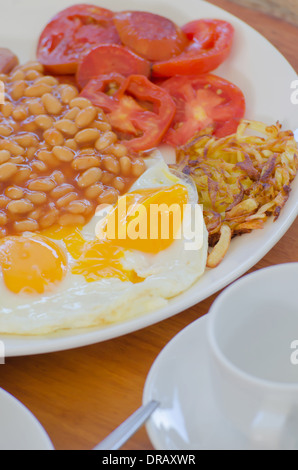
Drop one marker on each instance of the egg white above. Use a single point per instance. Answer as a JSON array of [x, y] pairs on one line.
[[75, 303]]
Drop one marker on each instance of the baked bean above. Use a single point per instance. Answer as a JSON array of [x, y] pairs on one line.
[[32, 65], [94, 191], [68, 93], [3, 201], [48, 158], [107, 178], [35, 214], [36, 107], [67, 126], [125, 165], [138, 168], [49, 219], [23, 174], [31, 152], [80, 102], [6, 109], [60, 191], [3, 232], [12, 147], [105, 140], [44, 122], [20, 113], [102, 126], [7, 170], [65, 200], [17, 160], [119, 183], [89, 177], [108, 196], [46, 127], [26, 140], [118, 150], [32, 75], [111, 164], [28, 225], [78, 207], [58, 176], [88, 151], [3, 218], [86, 135], [53, 137], [72, 113], [72, 219], [35, 91], [13, 192], [4, 156], [63, 154], [17, 76], [19, 207], [18, 89], [48, 79], [5, 130], [71, 144], [86, 116], [29, 125], [39, 166], [42, 184], [51, 104], [85, 162], [37, 197]]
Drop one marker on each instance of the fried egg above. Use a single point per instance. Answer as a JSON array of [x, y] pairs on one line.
[[77, 277]]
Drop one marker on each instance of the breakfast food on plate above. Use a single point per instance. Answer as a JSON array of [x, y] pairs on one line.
[[241, 179], [71, 32], [54, 162], [80, 172], [148, 74], [203, 101], [139, 111], [65, 277]]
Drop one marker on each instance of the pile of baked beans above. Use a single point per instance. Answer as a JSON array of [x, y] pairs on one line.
[[59, 158]]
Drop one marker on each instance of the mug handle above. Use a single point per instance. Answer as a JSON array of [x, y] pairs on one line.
[[270, 426]]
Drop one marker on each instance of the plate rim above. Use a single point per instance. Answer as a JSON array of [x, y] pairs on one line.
[[26, 414]]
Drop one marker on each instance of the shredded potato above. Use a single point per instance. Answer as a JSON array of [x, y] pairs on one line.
[[241, 179]]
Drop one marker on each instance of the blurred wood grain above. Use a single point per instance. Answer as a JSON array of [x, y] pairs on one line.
[[282, 9]]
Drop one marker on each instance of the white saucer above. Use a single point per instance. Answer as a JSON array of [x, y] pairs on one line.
[[19, 429], [188, 418]]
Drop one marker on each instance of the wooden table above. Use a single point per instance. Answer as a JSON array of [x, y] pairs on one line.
[[81, 395]]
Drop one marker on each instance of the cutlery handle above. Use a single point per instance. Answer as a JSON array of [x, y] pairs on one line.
[[120, 435]]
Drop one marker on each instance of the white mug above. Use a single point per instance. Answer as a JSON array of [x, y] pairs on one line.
[[253, 348]]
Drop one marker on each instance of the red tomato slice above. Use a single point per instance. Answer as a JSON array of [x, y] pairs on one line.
[[153, 37], [109, 58], [203, 101], [71, 32], [139, 111], [210, 44]]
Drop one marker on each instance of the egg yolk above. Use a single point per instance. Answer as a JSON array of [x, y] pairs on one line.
[[147, 220], [31, 265], [101, 258], [94, 259]]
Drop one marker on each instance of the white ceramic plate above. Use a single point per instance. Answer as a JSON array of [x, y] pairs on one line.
[[189, 417], [254, 65], [19, 429]]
